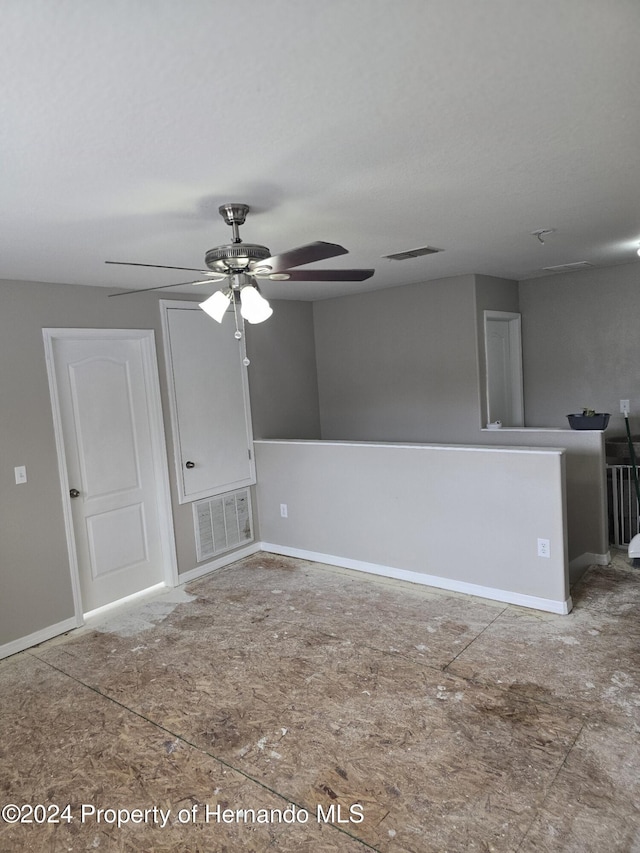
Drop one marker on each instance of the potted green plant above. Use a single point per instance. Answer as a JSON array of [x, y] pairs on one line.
[[589, 419]]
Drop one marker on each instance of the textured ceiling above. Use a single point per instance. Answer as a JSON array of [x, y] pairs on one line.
[[382, 125]]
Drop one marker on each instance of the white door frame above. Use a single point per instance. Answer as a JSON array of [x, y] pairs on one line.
[[514, 325], [158, 447]]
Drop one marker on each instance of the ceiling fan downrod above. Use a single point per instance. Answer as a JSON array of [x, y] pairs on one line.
[[235, 256], [234, 215]]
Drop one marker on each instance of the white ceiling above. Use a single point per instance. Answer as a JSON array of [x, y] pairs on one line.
[[382, 125]]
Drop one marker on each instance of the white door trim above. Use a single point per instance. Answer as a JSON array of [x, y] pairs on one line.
[[158, 447], [514, 325]]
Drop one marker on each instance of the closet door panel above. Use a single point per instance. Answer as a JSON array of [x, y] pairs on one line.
[[209, 397]]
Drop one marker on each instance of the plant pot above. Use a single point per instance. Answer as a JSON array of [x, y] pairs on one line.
[[597, 421]]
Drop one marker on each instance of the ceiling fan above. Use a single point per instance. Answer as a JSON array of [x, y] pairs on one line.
[[242, 264]]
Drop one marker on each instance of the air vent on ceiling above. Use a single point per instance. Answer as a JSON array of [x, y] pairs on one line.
[[578, 265], [412, 253]]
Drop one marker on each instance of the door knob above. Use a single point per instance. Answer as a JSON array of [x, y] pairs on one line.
[[74, 493], [189, 464]]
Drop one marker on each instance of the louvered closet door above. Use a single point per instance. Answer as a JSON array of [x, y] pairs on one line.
[[211, 417]]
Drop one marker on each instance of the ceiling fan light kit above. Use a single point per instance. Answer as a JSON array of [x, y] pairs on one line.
[[216, 306], [243, 263], [253, 306]]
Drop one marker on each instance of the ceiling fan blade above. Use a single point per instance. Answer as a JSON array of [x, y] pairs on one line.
[[155, 266], [163, 287], [307, 254], [327, 275]]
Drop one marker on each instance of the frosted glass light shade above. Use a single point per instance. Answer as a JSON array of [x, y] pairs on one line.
[[215, 306], [254, 307]]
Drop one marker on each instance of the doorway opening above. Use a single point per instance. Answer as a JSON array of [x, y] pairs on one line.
[[503, 359]]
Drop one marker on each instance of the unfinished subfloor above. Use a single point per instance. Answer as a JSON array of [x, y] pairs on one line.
[[434, 721]]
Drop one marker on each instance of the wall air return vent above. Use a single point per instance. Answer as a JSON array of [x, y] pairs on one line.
[[222, 523], [412, 253], [578, 265]]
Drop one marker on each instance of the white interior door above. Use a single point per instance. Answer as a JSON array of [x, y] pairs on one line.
[[504, 368], [104, 397], [209, 398]]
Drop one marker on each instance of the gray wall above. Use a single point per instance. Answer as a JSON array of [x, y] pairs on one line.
[[408, 364], [35, 587], [283, 379], [581, 345], [451, 516], [399, 364], [587, 534]]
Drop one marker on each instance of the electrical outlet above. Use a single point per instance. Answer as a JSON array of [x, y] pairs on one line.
[[543, 548], [284, 512], [624, 407]]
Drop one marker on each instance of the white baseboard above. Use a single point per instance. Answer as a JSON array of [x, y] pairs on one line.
[[219, 563], [508, 597], [22, 643], [37, 637]]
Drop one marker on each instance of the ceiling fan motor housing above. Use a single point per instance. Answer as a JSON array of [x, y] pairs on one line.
[[235, 257]]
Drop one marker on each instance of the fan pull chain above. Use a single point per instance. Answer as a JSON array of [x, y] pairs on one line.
[[246, 360], [238, 335]]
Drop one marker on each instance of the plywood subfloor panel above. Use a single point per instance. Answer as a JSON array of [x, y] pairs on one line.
[[594, 804], [457, 724], [589, 660], [65, 744]]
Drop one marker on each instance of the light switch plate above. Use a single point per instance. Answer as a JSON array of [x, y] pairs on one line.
[[21, 474]]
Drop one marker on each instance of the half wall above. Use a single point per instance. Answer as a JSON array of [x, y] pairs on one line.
[[457, 517]]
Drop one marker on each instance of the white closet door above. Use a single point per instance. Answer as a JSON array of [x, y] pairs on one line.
[[209, 395]]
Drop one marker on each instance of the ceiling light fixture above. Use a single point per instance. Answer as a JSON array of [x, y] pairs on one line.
[[254, 308], [216, 306], [639, 250]]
